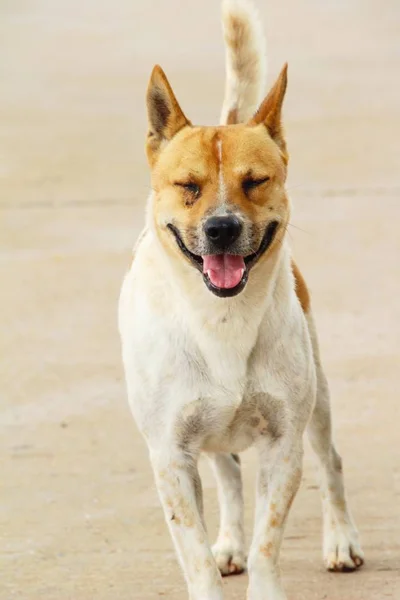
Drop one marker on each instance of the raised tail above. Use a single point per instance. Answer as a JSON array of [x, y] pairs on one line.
[[245, 60]]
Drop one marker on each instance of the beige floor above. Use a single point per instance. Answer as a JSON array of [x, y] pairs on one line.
[[79, 516]]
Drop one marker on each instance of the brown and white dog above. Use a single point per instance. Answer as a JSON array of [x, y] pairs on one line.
[[219, 344]]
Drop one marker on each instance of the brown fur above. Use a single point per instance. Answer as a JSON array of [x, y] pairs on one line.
[[245, 61], [238, 35], [301, 288], [232, 118], [179, 153], [270, 111], [247, 151], [165, 116]]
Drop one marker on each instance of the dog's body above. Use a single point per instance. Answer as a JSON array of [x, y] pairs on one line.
[[216, 374]]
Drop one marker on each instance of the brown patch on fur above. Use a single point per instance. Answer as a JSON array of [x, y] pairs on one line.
[[175, 519], [301, 288], [254, 421], [292, 487], [273, 415], [274, 521], [158, 111], [232, 118], [239, 29], [238, 34], [340, 504], [183, 513], [267, 549], [275, 517]]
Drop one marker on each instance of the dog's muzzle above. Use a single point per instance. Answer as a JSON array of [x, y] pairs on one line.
[[225, 274]]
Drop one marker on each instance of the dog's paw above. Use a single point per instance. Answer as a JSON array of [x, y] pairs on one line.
[[342, 550], [230, 561]]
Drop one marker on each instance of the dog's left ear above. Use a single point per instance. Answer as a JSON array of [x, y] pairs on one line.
[[165, 116], [270, 111]]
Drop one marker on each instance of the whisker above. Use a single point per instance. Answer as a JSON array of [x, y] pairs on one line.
[[289, 234], [300, 229]]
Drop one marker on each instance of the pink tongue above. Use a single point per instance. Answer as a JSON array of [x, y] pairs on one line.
[[224, 270]]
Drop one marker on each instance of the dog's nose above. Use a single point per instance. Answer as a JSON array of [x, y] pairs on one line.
[[223, 231]]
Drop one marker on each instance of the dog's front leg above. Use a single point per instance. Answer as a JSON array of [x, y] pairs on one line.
[[279, 479], [179, 487]]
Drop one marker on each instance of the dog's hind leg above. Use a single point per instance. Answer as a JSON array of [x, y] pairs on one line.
[[229, 549], [341, 547]]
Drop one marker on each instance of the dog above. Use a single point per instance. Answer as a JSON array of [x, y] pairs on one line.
[[219, 345]]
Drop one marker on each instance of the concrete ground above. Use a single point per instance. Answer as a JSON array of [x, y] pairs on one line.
[[79, 515]]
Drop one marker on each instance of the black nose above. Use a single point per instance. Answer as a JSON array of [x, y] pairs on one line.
[[223, 231]]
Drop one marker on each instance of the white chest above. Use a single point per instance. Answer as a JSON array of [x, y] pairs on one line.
[[219, 386], [211, 372]]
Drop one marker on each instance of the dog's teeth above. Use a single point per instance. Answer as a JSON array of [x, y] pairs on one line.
[[241, 273]]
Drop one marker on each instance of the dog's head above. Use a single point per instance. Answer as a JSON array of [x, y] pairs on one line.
[[219, 192]]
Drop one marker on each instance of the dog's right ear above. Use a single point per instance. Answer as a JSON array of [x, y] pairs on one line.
[[165, 116]]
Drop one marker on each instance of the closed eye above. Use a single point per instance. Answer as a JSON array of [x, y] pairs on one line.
[[249, 184], [189, 186]]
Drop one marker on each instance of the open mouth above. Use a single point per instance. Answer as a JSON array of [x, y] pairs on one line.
[[226, 274]]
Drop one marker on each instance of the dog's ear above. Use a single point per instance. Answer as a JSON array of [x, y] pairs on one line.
[[270, 111], [165, 117]]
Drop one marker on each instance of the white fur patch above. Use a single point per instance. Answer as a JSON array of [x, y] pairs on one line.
[[222, 192]]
